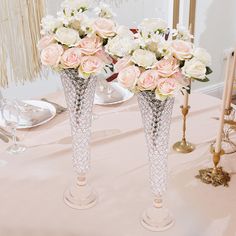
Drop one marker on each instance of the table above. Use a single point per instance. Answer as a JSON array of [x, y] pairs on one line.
[[32, 183]]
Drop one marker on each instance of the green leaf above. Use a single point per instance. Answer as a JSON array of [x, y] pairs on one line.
[[181, 64], [208, 70], [202, 80]]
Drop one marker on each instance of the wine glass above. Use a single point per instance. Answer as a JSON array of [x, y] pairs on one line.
[[10, 114]]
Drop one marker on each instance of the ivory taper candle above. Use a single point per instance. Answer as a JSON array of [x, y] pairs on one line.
[[186, 97], [230, 82], [222, 115]]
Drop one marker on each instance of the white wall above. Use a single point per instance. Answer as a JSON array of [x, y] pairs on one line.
[[216, 31]]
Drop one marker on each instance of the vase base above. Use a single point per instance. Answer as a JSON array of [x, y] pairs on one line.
[[157, 219], [184, 147], [80, 197]]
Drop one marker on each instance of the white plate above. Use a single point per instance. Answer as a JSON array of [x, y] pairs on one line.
[[37, 103], [125, 96]]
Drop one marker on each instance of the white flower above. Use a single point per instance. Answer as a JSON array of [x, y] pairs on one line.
[[50, 24], [70, 7], [104, 10], [69, 37], [183, 33], [202, 55], [165, 49], [121, 46], [152, 26], [194, 69], [144, 58], [86, 25], [124, 31]]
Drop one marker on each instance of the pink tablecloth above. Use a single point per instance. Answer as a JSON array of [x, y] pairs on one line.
[[32, 184]]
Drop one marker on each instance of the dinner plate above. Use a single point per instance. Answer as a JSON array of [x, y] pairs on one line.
[[39, 104], [104, 100]]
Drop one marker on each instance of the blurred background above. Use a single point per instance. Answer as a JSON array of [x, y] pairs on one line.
[[215, 30]]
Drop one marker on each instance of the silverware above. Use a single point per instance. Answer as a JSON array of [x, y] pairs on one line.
[[4, 138], [59, 109], [7, 134]]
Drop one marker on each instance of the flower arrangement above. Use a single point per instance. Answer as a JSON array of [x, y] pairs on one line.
[[74, 39], [153, 58]]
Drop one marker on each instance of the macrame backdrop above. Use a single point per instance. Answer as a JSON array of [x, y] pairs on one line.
[[19, 33]]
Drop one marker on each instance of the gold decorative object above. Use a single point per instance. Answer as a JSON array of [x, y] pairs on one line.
[[183, 146], [215, 176]]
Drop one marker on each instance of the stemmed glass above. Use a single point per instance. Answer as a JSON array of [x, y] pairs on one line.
[[11, 113]]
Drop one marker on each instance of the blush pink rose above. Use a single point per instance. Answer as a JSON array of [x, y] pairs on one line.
[[128, 76], [167, 67], [166, 86], [45, 41], [51, 55], [182, 50], [71, 58], [91, 64], [90, 45], [122, 63], [104, 56], [104, 27], [148, 80]]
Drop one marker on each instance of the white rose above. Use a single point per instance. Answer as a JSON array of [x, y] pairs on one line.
[[194, 69], [182, 50], [144, 58], [202, 55], [121, 46], [154, 25], [69, 37], [50, 24], [123, 31]]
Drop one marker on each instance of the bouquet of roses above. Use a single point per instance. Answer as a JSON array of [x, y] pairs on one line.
[[76, 40], [153, 58]]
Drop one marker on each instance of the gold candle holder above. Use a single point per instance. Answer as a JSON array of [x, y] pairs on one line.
[[215, 176], [183, 146]]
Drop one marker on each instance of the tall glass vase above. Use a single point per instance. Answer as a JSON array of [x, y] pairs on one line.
[[156, 116], [79, 94]]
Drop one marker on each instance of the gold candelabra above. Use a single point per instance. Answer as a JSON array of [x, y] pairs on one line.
[[215, 176], [184, 146]]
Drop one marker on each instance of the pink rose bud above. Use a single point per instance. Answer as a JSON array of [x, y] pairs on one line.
[[104, 56], [182, 50], [167, 67], [71, 58], [51, 55], [91, 64], [90, 45], [104, 27], [166, 86], [148, 80], [122, 63], [45, 41], [128, 76]]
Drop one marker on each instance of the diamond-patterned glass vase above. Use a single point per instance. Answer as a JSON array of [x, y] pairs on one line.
[[156, 117], [79, 94]]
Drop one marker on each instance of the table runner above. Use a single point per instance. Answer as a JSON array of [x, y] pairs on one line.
[[32, 183]]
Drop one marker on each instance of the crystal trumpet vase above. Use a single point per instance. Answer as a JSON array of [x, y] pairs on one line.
[[156, 116], [79, 94]]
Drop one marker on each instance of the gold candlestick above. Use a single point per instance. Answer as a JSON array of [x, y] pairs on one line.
[[215, 176], [183, 146]]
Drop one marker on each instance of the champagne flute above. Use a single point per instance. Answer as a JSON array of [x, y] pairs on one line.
[[10, 114]]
